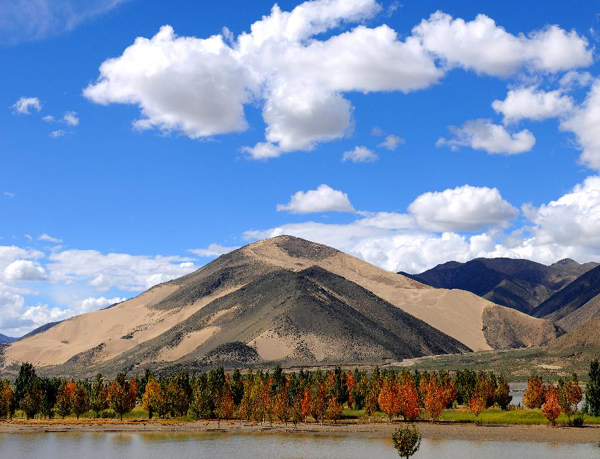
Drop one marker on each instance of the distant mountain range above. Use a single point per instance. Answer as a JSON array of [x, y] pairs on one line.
[[7, 339], [523, 285], [283, 301]]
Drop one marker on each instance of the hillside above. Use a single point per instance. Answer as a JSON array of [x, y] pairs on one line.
[[283, 300], [576, 303], [7, 339], [519, 284]]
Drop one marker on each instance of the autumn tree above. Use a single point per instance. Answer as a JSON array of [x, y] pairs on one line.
[[434, 396], [551, 408], [306, 405], [569, 396], [533, 397], [351, 388], [319, 400], [6, 396], [31, 404], [409, 398], [224, 406], [282, 404], [389, 398], [81, 403], [150, 399], [122, 395], [64, 401]]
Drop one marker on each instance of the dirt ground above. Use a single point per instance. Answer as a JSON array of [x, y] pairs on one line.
[[442, 431]]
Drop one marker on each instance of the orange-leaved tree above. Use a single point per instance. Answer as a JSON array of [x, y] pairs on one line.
[[534, 394], [551, 408], [434, 396], [389, 398], [409, 398]]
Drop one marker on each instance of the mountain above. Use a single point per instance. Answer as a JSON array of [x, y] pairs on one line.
[[576, 303], [7, 339], [519, 284], [282, 300]]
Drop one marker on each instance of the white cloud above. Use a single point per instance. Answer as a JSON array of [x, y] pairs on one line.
[[115, 270], [262, 150], [71, 118], [9, 194], [571, 220], [24, 105], [29, 20], [484, 135], [573, 79], [213, 250], [585, 124], [464, 208], [391, 142], [566, 227], [58, 133], [24, 270], [323, 199], [483, 46], [93, 304], [534, 104], [49, 119], [47, 238], [299, 79], [11, 306], [360, 155]]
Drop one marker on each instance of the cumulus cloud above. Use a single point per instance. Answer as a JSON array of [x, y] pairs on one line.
[[574, 79], [213, 250], [24, 270], [534, 104], [464, 208], [299, 79], [262, 150], [573, 219], [566, 227], [93, 304], [323, 199], [585, 124], [47, 238], [24, 105], [115, 270], [483, 134], [483, 46], [360, 155], [391, 142], [29, 20]]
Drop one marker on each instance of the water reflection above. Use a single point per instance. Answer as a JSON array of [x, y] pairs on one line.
[[291, 446]]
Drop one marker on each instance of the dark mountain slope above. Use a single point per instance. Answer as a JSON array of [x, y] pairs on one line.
[[573, 297], [518, 284]]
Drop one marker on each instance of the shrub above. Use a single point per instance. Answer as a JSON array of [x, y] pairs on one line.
[[407, 441]]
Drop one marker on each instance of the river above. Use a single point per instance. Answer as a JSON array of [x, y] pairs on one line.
[[226, 446]]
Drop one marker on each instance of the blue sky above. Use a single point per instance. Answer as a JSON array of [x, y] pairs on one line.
[[97, 206]]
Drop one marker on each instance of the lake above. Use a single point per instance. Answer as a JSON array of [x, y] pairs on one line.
[[291, 446]]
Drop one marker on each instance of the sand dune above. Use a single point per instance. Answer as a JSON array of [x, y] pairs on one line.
[[186, 318]]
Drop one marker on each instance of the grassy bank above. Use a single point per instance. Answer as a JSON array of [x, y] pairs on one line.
[[492, 416]]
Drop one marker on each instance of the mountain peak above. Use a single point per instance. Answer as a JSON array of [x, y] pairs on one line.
[[565, 262]]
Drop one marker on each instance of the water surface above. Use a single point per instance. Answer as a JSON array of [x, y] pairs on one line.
[[290, 446]]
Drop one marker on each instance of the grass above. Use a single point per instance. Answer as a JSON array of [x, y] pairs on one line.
[[459, 415]]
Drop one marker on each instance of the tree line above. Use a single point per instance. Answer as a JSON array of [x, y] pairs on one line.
[[267, 396]]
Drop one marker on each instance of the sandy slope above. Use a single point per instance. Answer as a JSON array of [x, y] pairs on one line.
[[104, 335]]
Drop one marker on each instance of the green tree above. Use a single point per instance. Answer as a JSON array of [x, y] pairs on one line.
[[503, 397], [407, 441], [98, 395], [592, 392], [23, 383]]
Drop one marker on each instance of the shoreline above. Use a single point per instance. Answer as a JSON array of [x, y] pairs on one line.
[[441, 431]]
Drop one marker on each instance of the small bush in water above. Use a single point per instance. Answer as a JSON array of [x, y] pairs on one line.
[[407, 441]]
